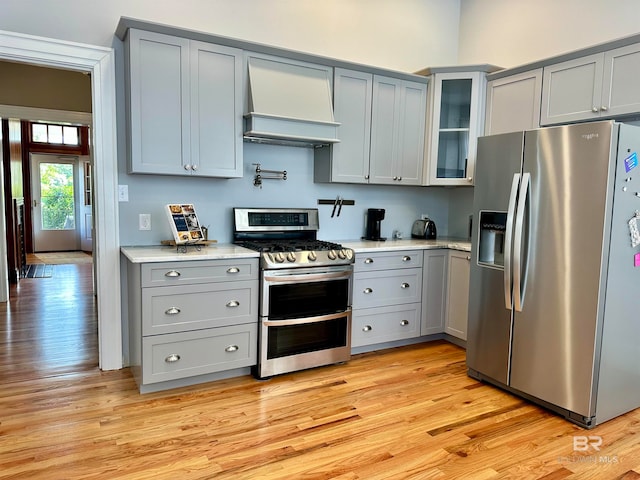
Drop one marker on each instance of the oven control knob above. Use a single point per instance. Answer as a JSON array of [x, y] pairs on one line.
[[312, 256], [348, 253], [331, 254], [342, 254], [279, 257], [291, 257]]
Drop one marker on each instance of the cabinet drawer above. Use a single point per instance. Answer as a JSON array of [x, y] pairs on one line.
[[179, 355], [202, 271], [392, 287], [192, 307], [387, 260], [385, 324]]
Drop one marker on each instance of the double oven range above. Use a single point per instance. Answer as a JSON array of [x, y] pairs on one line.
[[305, 290]]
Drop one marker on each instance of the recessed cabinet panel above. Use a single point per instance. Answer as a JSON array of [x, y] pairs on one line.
[[571, 90], [216, 136], [384, 128], [513, 103], [620, 92], [159, 102], [458, 294]]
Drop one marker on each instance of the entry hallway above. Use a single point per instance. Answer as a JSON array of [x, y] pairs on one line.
[[406, 413]]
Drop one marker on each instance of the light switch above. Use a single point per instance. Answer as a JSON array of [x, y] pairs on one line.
[[123, 193]]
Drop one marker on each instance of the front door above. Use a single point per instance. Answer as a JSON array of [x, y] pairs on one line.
[[54, 208]]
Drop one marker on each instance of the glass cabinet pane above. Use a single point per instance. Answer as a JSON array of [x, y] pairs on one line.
[[453, 135], [452, 153]]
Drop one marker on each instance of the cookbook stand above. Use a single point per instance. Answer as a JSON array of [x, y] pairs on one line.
[[182, 247]]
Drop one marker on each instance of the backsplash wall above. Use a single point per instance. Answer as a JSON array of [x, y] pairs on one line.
[[215, 198]]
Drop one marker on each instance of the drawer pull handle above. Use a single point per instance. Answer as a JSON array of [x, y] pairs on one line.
[[172, 274], [233, 270], [174, 357], [404, 323], [172, 311], [368, 290], [233, 303], [368, 260], [406, 258], [404, 285], [367, 328], [232, 348]]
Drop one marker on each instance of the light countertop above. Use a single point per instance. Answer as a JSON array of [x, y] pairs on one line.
[[222, 251], [366, 246], [161, 253]]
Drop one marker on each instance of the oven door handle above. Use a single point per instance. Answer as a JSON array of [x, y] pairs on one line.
[[307, 277], [300, 321]]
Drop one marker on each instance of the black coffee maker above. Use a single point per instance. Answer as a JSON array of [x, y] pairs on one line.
[[374, 217]]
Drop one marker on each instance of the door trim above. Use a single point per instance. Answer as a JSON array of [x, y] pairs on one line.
[[100, 62]]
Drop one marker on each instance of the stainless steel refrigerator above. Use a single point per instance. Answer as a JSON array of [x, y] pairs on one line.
[[554, 306]]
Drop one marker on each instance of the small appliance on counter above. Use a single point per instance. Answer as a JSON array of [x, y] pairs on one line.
[[374, 219], [425, 228]]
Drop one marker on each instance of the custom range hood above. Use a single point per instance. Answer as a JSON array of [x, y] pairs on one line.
[[289, 104]]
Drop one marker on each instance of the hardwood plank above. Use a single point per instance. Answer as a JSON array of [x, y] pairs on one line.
[[405, 413]]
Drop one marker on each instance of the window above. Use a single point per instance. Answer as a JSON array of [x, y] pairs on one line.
[[55, 134]]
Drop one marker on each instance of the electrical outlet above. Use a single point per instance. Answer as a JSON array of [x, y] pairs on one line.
[[424, 216], [144, 221]]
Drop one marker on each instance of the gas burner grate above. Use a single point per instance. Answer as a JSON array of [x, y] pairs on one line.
[[289, 245]]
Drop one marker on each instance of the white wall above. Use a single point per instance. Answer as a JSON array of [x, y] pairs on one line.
[[513, 32], [402, 35]]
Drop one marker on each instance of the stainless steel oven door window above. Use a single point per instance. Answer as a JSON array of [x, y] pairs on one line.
[[290, 345], [302, 293]]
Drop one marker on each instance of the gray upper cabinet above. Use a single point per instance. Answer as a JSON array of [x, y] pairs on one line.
[[382, 123], [184, 106], [457, 112], [513, 103], [397, 131], [597, 86]]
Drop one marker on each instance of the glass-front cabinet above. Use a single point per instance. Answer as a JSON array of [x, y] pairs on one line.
[[456, 116]]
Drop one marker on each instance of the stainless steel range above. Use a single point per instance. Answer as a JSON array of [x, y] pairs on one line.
[[305, 289]]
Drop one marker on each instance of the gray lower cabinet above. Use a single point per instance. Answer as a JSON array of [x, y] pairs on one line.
[[458, 294], [434, 291], [191, 318], [387, 297]]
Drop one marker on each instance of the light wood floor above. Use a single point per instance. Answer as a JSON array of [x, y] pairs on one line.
[[407, 413]]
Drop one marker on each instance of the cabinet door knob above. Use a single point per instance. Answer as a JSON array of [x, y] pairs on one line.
[[468, 257], [187, 167], [469, 179], [368, 260], [405, 285], [233, 303], [595, 109], [604, 108], [174, 357], [406, 258], [172, 311], [399, 179], [233, 270], [194, 167], [172, 274], [367, 328], [404, 323], [395, 178], [367, 290], [366, 177], [232, 348]]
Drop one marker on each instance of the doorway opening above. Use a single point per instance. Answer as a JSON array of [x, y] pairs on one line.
[[99, 62]]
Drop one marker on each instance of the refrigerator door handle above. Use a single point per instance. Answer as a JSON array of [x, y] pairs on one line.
[[518, 287], [508, 238]]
